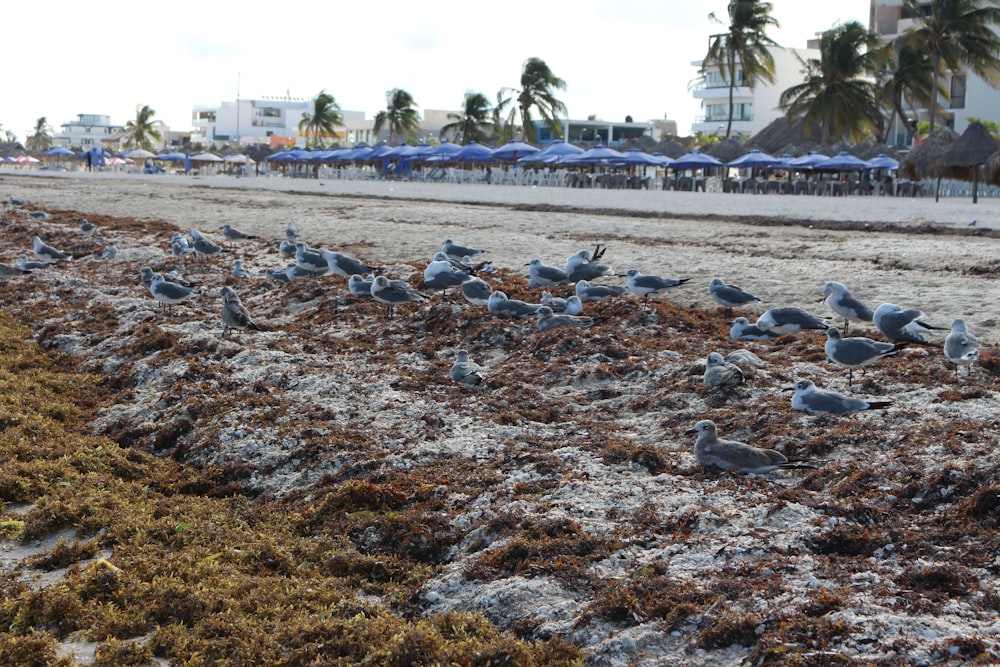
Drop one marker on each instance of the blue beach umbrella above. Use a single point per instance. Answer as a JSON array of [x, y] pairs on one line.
[[753, 159], [557, 151], [842, 161], [882, 161], [60, 151], [473, 152], [598, 155], [807, 161], [513, 150], [695, 160]]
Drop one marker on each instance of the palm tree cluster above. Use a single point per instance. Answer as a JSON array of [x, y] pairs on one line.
[[858, 86], [141, 132], [323, 120], [41, 137], [478, 121]]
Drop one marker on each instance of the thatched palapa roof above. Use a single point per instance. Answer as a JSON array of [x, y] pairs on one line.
[[726, 150], [972, 149], [924, 161]]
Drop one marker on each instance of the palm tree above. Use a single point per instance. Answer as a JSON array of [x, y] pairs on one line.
[[956, 34], [141, 132], [504, 115], [904, 78], [41, 139], [536, 92], [399, 115], [323, 120], [471, 123], [834, 99], [744, 47]]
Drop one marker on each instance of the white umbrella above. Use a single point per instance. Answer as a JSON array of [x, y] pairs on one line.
[[206, 157], [238, 157], [139, 154]]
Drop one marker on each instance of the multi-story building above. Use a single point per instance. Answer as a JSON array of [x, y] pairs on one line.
[[89, 130], [969, 94], [753, 108]]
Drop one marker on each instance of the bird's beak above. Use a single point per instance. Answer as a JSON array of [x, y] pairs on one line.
[[788, 389], [690, 431]]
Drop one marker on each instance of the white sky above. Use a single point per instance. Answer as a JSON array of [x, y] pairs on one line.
[[618, 57]]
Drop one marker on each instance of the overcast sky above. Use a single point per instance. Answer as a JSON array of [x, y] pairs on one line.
[[618, 57]]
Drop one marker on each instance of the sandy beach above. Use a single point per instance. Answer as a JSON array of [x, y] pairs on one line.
[[561, 497]]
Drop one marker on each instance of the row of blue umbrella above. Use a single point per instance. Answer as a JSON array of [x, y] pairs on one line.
[[560, 152]]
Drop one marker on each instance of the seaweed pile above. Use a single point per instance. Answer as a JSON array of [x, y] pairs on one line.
[[321, 493]]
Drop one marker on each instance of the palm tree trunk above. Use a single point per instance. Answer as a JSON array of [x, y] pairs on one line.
[[936, 63], [732, 85]]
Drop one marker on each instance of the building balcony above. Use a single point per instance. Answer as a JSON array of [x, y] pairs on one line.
[[742, 93], [737, 117]]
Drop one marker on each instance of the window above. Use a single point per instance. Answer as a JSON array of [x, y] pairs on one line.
[[957, 92]]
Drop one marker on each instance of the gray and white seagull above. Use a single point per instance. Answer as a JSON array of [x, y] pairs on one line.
[[808, 398], [856, 352], [711, 450]]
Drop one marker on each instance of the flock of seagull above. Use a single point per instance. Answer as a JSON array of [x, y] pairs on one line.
[[462, 268]]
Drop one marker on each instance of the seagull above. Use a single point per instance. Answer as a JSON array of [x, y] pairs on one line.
[[550, 320], [24, 265], [204, 247], [710, 450], [845, 304], [643, 285], [569, 306], [359, 286], [456, 251], [290, 232], [294, 272], [233, 234], [788, 320], [900, 325], [168, 293], [287, 249], [311, 260], [822, 402], [856, 352], [47, 252], [238, 271], [39, 215], [11, 201], [6, 271], [466, 371], [719, 374], [743, 330], [591, 292], [234, 313], [580, 266], [442, 274], [280, 275], [499, 304], [180, 246], [960, 347], [395, 292], [110, 252], [86, 226], [729, 296], [345, 265], [146, 277], [541, 275], [477, 291]]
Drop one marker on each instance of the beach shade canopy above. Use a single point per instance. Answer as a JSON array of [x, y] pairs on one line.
[[973, 148], [882, 161], [473, 152], [25, 159], [361, 153], [753, 159], [380, 150], [597, 155], [59, 151], [842, 161], [138, 154], [172, 157], [964, 157], [206, 157], [925, 160], [238, 158], [695, 160], [638, 157], [808, 161], [557, 151], [445, 148], [394, 152], [670, 148], [513, 150]]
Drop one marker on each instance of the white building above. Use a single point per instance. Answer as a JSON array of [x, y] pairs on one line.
[[753, 108], [87, 131], [970, 95], [268, 120]]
